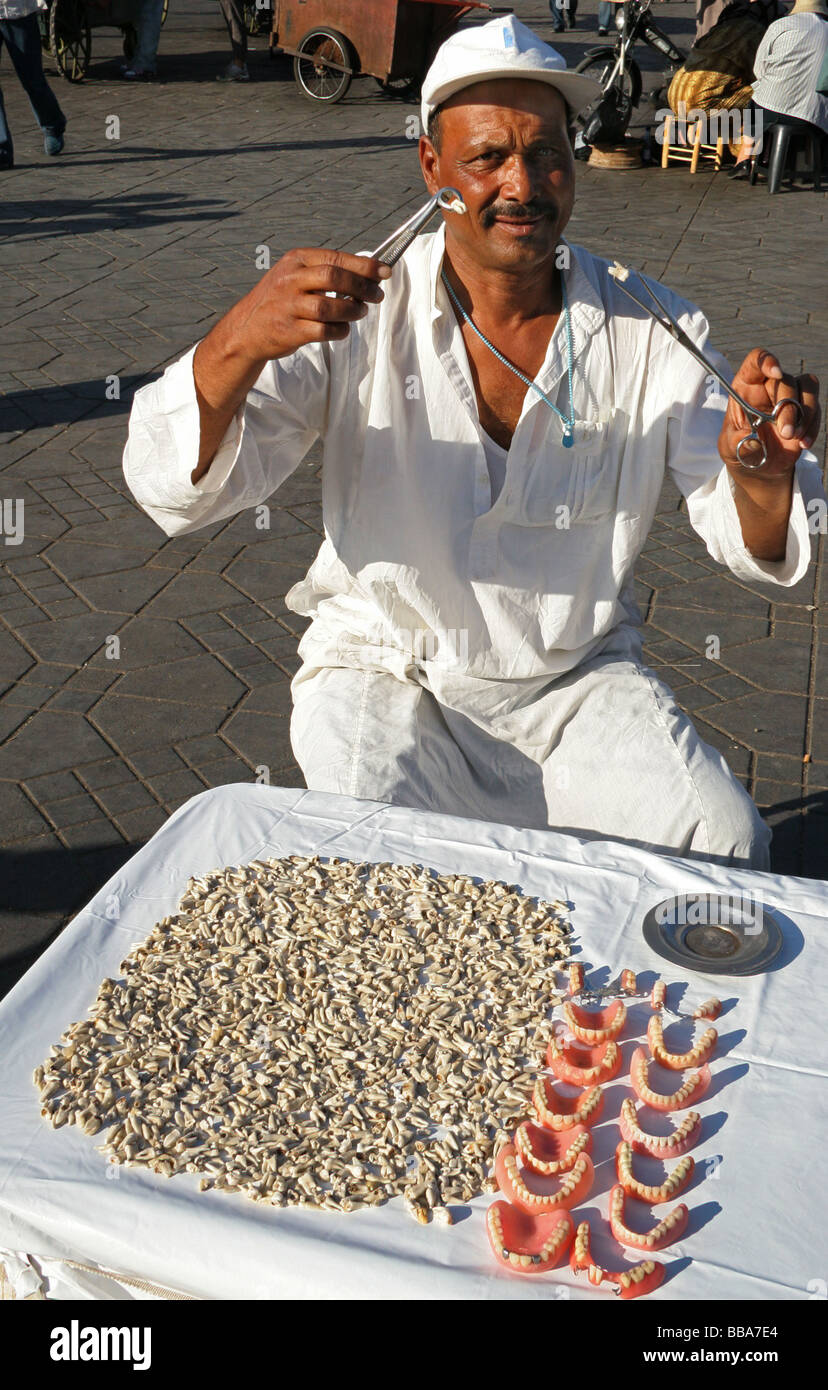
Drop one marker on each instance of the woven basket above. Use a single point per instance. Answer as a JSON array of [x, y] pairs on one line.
[[626, 155]]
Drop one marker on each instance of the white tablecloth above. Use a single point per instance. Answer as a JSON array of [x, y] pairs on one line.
[[757, 1212]]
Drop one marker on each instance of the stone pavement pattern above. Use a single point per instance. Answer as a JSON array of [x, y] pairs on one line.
[[117, 257]]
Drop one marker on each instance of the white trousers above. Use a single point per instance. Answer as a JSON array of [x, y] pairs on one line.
[[623, 762]]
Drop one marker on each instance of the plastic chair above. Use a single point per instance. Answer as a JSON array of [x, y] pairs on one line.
[[693, 151], [783, 145]]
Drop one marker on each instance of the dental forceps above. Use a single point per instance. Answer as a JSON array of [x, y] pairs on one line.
[[755, 417], [389, 251]]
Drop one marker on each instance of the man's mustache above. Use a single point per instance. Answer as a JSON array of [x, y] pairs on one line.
[[519, 211]]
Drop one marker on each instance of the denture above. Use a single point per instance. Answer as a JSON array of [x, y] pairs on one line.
[[630, 1283], [629, 982], [700, 1053], [579, 1064], [670, 1229], [565, 1112], [576, 978], [548, 1152], [683, 1137], [575, 1184], [675, 1183], [690, 1090], [658, 994], [596, 1026], [527, 1244], [580, 1256], [711, 1008]]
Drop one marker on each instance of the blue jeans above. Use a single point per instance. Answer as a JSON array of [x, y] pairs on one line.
[[558, 8], [148, 29], [606, 15], [22, 39]]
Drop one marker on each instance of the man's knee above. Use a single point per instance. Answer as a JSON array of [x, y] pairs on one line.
[[736, 833]]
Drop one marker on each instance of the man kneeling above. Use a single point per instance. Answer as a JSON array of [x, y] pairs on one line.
[[496, 427]]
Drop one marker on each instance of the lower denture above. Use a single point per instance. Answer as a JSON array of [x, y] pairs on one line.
[[700, 1053], [595, 1026], [550, 1152], [669, 1229], [683, 1137], [574, 1185], [690, 1090], [675, 1183], [528, 1244], [579, 1064], [557, 1112], [632, 1282]]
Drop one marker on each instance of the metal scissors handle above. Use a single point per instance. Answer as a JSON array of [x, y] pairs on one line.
[[398, 242], [755, 417]]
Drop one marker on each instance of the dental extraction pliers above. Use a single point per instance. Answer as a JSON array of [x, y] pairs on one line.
[[755, 416], [394, 246]]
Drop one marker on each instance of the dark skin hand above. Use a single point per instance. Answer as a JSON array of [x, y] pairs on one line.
[[285, 310], [763, 498], [504, 145]]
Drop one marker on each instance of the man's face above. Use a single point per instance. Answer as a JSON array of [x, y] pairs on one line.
[[505, 145]]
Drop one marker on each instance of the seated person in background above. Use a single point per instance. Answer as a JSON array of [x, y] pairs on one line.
[[786, 72], [718, 71]]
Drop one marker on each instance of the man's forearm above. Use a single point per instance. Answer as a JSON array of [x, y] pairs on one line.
[[764, 509], [223, 374]]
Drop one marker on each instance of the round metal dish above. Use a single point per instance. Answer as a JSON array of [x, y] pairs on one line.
[[713, 933]]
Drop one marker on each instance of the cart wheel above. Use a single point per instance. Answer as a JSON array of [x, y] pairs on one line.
[[70, 37], [130, 34], [313, 77]]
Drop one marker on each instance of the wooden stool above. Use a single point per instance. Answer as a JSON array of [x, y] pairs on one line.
[[694, 150]]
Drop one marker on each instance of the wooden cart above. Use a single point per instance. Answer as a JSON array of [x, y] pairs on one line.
[[66, 30], [331, 41]]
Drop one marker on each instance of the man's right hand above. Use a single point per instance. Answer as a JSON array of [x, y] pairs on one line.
[[292, 305]]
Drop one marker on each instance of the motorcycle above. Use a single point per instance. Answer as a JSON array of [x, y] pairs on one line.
[[617, 71]]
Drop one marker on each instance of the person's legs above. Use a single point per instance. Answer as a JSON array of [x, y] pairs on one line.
[[616, 760], [556, 11], [369, 735], [22, 38], [606, 16], [234, 19], [628, 765], [6, 142], [148, 31]]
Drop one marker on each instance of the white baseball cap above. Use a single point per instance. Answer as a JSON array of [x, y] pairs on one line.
[[501, 48]]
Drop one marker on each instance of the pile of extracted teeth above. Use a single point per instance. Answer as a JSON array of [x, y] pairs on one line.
[[531, 1231], [320, 1033]]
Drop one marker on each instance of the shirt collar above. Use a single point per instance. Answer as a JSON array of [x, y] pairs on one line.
[[587, 313]]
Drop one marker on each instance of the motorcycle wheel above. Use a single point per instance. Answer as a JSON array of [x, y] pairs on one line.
[[600, 63]]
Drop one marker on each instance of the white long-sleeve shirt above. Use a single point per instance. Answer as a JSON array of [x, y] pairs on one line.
[[419, 574], [787, 65]]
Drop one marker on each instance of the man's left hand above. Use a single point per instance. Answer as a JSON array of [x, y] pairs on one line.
[[762, 382]]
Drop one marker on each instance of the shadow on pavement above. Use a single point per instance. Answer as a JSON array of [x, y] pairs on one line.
[[40, 890], [800, 839], [80, 216], [57, 405]]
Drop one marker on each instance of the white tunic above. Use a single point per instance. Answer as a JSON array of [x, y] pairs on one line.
[[419, 574]]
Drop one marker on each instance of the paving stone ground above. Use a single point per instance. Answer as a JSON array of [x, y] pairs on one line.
[[119, 255]]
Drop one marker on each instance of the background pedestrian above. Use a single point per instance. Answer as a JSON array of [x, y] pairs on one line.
[[20, 32]]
